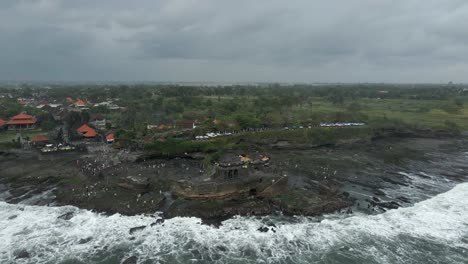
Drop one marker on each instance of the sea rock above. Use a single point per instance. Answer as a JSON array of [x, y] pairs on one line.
[[387, 205], [221, 248], [67, 216], [379, 192], [12, 217], [404, 199], [135, 229], [22, 254], [130, 260], [263, 229], [158, 222], [85, 240]]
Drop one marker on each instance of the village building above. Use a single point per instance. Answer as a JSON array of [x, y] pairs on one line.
[[40, 140], [110, 138], [98, 121], [186, 124], [80, 104], [109, 105], [22, 121], [87, 131]]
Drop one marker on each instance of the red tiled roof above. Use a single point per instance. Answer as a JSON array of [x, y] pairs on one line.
[[84, 128], [22, 116], [39, 138], [22, 122], [186, 124], [80, 102], [2, 122], [87, 131], [22, 119], [110, 136], [90, 134]]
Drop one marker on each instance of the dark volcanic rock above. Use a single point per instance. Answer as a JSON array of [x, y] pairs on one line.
[[67, 216], [135, 229], [386, 179], [263, 229], [130, 260], [387, 205], [221, 248], [22, 254], [379, 192], [12, 217], [158, 222], [85, 240], [404, 199]]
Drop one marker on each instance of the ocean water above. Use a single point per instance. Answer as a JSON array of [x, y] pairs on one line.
[[431, 231]]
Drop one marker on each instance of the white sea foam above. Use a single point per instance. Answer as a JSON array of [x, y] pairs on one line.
[[440, 223], [421, 186]]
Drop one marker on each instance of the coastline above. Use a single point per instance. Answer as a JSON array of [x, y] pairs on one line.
[[318, 185]]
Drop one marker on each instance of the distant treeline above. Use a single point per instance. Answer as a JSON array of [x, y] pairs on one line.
[[387, 91]]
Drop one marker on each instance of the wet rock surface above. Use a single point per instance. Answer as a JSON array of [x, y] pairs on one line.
[[136, 229], [364, 177], [67, 216], [130, 260], [22, 254], [85, 240]]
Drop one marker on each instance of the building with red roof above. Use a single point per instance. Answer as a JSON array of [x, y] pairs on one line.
[[80, 103], [22, 121], [110, 138], [186, 124], [87, 131], [69, 100], [40, 140]]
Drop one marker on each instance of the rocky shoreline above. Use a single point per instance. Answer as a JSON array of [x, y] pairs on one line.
[[321, 180]]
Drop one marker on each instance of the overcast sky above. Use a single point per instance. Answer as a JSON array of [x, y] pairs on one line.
[[235, 40]]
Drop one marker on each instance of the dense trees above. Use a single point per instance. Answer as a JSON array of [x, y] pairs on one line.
[[238, 106]]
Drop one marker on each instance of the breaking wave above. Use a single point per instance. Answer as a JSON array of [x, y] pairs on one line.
[[432, 231]]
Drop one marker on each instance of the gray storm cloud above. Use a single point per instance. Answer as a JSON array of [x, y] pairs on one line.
[[217, 40]]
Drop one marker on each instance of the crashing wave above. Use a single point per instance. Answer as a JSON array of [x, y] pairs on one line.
[[436, 228]]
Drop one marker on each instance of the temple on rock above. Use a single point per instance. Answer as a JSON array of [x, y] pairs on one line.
[[235, 176]]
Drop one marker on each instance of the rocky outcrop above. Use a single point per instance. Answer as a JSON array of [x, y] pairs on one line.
[[130, 260], [135, 229], [67, 216], [22, 254]]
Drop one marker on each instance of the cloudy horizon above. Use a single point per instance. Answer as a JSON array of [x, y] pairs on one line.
[[402, 41]]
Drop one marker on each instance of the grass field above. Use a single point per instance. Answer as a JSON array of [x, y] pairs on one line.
[[8, 136], [424, 113]]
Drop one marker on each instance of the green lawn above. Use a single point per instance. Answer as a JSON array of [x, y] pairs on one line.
[[8, 136], [425, 113]]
